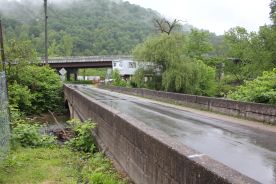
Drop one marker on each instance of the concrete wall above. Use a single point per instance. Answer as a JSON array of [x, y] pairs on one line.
[[147, 155], [251, 111]]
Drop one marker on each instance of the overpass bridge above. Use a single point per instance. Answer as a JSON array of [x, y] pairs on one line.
[[160, 143], [72, 64]]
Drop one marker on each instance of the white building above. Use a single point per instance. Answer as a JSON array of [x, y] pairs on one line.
[[125, 67]]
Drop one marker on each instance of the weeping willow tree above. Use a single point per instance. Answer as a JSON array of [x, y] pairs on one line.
[[178, 69]]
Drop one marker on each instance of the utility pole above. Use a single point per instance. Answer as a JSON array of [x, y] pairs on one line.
[[46, 32], [2, 67]]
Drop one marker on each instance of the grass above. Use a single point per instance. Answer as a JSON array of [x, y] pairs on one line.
[[57, 165]]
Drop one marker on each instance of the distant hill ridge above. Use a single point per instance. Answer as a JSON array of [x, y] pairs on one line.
[[93, 27]]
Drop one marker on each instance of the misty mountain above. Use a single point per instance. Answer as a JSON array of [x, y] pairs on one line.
[[92, 27]]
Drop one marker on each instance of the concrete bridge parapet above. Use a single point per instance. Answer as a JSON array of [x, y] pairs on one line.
[[147, 155]]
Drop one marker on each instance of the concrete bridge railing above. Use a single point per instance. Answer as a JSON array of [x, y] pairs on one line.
[[147, 155], [251, 111]]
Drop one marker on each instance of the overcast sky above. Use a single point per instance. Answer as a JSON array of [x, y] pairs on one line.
[[215, 15]]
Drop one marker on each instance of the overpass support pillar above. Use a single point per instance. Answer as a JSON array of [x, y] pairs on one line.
[[71, 71]]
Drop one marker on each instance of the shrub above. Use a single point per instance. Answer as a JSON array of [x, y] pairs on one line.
[[83, 140], [260, 90], [101, 178], [45, 87], [117, 80], [99, 170], [28, 135], [33, 89]]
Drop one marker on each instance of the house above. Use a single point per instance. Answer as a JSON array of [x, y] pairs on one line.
[[126, 68]]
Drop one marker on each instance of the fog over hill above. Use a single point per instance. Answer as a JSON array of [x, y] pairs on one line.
[[92, 27]]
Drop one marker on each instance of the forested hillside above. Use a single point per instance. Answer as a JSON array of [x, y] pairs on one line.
[[85, 27]]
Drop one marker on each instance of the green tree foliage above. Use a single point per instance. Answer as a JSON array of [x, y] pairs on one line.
[[28, 135], [117, 79], [83, 140], [20, 96], [67, 45], [273, 11], [85, 27], [138, 79], [19, 55], [192, 77], [249, 54], [93, 72], [161, 49], [32, 88], [146, 78], [176, 62], [261, 90], [45, 85], [199, 43]]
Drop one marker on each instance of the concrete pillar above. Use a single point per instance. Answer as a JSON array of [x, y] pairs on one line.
[[76, 74], [68, 74], [72, 71]]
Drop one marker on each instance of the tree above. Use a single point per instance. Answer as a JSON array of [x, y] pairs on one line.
[[53, 49], [67, 45], [179, 70], [199, 43], [81, 27], [165, 26], [162, 49], [191, 77], [273, 11], [32, 88], [249, 54], [19, 54]]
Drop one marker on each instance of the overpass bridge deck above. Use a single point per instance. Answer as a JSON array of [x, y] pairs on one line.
[[85, 59]]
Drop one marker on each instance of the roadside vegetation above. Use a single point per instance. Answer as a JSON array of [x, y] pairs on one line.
[[38, 158], [239, 65], [260, 90], [33, 89], [36, 155]]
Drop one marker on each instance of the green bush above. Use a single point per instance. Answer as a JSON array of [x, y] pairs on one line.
[[44, 85], [99, 170], [28, 135], [191, 77], [83, 140], [260, 90], [138, 79], [101, 178], [117, 80]]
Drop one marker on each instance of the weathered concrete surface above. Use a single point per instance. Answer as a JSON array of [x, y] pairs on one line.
[[146, 154], [251, 111]]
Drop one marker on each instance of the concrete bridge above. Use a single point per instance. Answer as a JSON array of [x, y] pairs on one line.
[[155, 143], [72, 64]]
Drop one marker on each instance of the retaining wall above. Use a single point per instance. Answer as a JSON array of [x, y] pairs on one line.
[[251, 111], [147, 155]]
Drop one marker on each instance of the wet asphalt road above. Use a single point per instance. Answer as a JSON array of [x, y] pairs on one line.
[[248, 150]]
